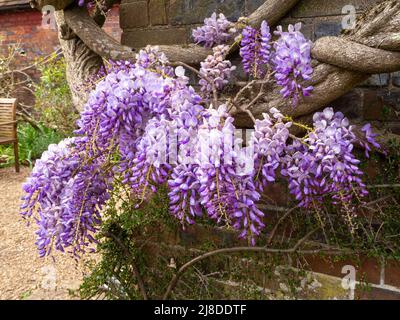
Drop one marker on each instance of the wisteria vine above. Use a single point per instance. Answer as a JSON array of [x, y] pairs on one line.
[[144, 126]]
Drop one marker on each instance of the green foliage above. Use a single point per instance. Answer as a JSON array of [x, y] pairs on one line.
[[32, 143], [53, 98], [54, 112], [151, 241], [113, 275]]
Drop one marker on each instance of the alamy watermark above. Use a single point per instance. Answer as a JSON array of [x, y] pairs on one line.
[[349, 20], [48, 18], [49, 280], [349, 280]]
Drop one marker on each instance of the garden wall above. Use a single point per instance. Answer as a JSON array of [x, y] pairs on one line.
[[171, 22], [23, 26], [377, 100]]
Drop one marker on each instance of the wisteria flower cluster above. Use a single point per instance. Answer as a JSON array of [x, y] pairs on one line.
[[68, 200], [215, 71], [216, 30], [270, 139], [292, 62], [256, 49], [324, 163], [288, 58], [144, 126]]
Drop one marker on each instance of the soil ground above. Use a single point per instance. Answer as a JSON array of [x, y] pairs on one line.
[[23, 274]]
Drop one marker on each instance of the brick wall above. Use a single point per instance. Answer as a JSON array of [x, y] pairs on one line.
[[24, 26]]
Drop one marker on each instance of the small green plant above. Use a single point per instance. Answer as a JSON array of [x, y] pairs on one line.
[[31, 143], [25, 295]]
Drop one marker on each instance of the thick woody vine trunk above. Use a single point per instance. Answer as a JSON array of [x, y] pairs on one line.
[[82, 63], [341, 63]]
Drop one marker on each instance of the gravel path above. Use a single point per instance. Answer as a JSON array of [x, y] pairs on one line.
[[23, 274]]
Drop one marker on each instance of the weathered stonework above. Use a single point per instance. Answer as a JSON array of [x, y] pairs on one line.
[[321, 8], [157, 12], [138, 38], [133, 15], [194, 11]]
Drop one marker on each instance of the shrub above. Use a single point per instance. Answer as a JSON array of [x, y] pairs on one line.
[[53, 98]]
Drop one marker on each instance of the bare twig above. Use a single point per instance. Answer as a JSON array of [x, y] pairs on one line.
[[281, 219], [32, 122], [294, 249]]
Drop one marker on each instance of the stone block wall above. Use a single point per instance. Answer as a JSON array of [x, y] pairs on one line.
[[171, 22]]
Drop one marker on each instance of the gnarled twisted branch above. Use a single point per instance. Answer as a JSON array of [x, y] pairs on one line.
[[97, 40], [340, 63]]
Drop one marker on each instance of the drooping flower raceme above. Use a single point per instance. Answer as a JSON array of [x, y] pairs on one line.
[[369, 139], [256, 49], [43, 195], [292, 62], [324, 163], [183, 184], [215, 70], [227, 196], [149, 166], [64, 219], [270, 140], [216, 30]]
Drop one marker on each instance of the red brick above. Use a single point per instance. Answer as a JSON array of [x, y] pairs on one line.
[[367, 269], [392, 273]]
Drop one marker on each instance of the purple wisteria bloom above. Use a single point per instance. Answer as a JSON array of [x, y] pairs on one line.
[[216, 30], [324, 163], [292, 62], [215, 70], [369, 139], [228, 197], [144, 126], [256, 49], [67, 205], [270, 139]]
